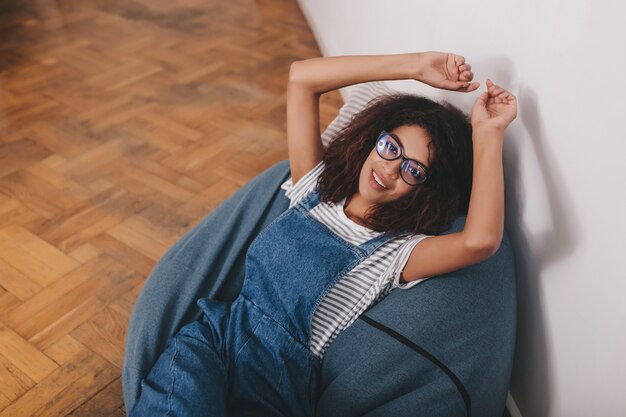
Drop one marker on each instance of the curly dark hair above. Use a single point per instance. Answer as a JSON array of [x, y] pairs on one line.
[[432, 206]]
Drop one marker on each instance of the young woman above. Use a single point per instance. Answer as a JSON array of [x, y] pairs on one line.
[[365, 217]]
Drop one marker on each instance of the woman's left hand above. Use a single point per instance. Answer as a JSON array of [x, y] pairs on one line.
[[496, 108], [447, 71]]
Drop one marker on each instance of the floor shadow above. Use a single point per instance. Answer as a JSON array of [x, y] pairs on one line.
[[15, 35], [26, 27], [180, 18]]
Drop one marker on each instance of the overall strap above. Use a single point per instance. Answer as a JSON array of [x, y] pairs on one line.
[[367, 248], [310, 200]]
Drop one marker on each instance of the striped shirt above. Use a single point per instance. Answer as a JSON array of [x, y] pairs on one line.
[[366, 283]]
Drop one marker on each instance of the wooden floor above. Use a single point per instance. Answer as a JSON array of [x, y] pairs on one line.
[[122, 124]]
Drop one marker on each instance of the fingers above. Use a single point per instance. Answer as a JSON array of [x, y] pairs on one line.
[[462, 69], [465, 86], [482, 99], [498, 94], [465, 73], [472, 86], [466, 76]]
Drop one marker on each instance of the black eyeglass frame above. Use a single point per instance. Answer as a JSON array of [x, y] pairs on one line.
[[404, 159]]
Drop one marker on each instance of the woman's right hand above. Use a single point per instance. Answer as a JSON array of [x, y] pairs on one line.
[[445, 70]]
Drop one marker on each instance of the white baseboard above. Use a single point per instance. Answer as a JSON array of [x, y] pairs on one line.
[[512, 406]]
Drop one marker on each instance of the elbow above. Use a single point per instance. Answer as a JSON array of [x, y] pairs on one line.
[[295, 72], [483, 248], [300, 79]]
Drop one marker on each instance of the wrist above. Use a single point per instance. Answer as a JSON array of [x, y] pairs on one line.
[[490, 130], [488, 138], [415, 65], [411, 65], [404, 66]]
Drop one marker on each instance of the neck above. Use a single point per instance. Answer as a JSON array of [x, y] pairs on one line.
[[355, 210]]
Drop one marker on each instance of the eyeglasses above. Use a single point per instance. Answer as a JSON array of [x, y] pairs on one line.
[[388, 147]]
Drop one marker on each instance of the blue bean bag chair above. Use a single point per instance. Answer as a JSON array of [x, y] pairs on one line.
[[442, 348]]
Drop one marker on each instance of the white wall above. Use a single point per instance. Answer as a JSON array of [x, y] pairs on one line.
[[565, 169]]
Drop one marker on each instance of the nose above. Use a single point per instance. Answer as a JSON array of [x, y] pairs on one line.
[[392, 168]]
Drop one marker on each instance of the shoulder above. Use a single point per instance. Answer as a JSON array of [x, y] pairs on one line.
[[306, 184], [399, 259]]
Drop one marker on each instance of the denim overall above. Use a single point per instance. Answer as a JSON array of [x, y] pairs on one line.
[[251, 357]]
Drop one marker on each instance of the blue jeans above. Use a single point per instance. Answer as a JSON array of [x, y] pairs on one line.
[[188, 365], [208, 261]]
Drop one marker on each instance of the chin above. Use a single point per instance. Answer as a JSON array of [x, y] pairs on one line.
[[370, 195], [366, 194]]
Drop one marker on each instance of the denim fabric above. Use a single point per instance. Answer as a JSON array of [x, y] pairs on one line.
[[208, 261], [177, 384], [252, 357]]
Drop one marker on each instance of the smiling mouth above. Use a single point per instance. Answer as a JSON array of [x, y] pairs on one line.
[[378, 181]]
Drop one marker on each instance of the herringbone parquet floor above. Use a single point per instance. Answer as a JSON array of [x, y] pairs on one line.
[[122, 124]]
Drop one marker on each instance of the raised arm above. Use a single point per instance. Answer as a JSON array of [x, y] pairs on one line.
[[311, 78], [493, 111]]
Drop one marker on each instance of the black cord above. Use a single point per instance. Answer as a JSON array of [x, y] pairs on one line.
[[457, 382]]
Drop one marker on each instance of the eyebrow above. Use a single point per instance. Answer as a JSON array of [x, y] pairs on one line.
[[393, 135]]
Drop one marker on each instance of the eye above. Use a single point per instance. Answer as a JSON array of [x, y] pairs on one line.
[[391, 148], [414, 171], [386, 148]]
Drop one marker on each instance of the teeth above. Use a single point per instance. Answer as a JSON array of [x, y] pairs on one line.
[[378, 180]]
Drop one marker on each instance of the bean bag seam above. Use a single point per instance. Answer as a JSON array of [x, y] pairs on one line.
[[455, 379]]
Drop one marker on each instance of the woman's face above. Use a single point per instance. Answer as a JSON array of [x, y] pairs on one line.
[[414, 141]]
